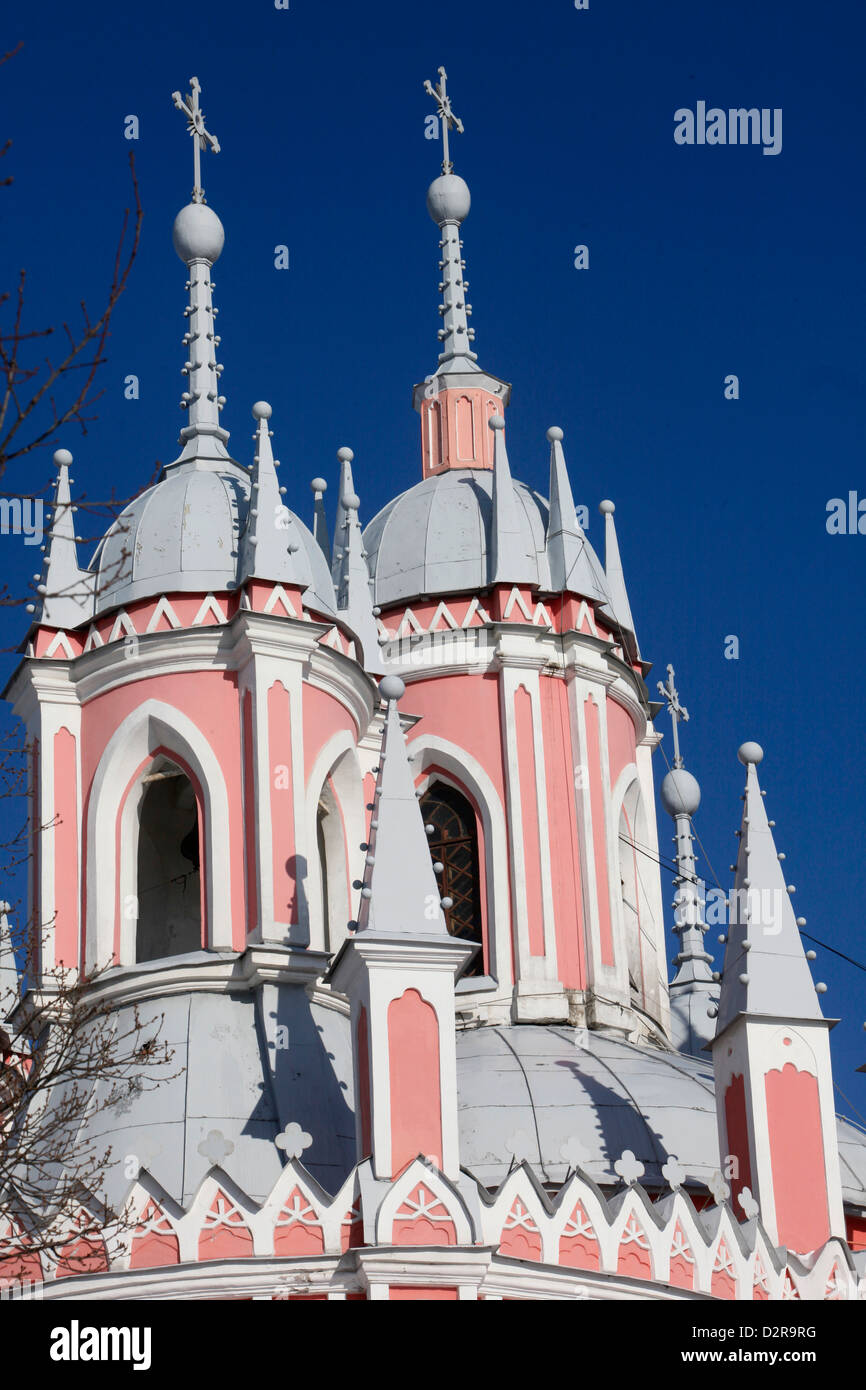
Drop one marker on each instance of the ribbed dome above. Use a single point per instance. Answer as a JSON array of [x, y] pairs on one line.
[[436, 538], [555, 1083], [182, 536]]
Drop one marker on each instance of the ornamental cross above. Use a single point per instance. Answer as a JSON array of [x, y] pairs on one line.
[[201, 137], [675, 710], [446, 116]]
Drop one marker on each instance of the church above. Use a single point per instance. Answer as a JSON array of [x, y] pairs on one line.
[[367, 815]]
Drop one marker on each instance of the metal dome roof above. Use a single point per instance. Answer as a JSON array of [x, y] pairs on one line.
[[549, 1084], [183, 534], [436, 537]]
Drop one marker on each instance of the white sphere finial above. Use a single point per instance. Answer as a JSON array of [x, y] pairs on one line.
[[345, 455], [198, 234], [448, 199], [496, 422], [351, 501], [606, 508], [318, 485], [750, 753], [62, 458], [680, 793], [554, 434], [262, 411], [392, 688]]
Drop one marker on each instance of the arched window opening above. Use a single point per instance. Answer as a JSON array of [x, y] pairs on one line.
[[169, 880], [454, 844]]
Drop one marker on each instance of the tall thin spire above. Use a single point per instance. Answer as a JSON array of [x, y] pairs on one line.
[[766, 970], [400, 895], [199, 237], [271, 546], [457, 400], [693, 991], [354, 595], [618, 607], [66, 590], [319, 487], [448, 202], [509, 561], [572, 563], [345, 488], [771, 1050]]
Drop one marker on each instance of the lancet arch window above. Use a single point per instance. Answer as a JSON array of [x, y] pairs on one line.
[[454, 845], [169, 887]]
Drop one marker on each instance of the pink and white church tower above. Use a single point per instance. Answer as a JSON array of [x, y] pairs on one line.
[[371, 823]]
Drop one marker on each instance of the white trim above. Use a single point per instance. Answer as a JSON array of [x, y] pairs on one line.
[[154, 723]]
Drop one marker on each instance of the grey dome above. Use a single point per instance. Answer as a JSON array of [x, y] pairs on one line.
[[436, 538], [553, 1084], [182, 536]]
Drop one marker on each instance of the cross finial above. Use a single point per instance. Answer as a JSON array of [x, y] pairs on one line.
[[446, 116], [201, 137], [676, 711]]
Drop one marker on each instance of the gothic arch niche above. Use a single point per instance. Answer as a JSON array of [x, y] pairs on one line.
[[454, 844], [331, 853], [168, 864], [335, 828], [636, 908]]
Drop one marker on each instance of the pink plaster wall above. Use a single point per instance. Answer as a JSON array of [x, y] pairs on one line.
[[621, 748], [411, 1293], [250, 860], [152, 1249], [563, 834], [416, 1103], [66, 840], [524, 726], [797, 1158], [281, 773], [599, 830], [737, 1127], [323, 717]]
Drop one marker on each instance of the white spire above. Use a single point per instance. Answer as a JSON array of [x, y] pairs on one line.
[[354, 595], [448, 203], [66, 590], [509, 562], [765, 971], [271, 547], [400, 896], [618, 607], [320, 522], [693, 990], [572, 563], [345, 488], [199, 237]]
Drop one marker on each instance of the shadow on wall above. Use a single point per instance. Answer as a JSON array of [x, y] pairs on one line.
[[307, 1058], [297, 905], [619, 1124]]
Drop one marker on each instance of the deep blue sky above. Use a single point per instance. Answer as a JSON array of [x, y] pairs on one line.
[[703, 261]]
